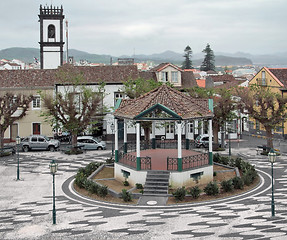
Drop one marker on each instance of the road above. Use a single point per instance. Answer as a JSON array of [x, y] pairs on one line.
[[25, 206]]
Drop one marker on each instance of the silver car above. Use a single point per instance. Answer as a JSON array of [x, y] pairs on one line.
[[90, 143], [39, 142]]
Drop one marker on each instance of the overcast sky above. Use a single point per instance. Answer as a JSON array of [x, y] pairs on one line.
[[118, 27]]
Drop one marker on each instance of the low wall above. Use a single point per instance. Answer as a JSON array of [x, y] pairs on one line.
[[192, 177], [133, 175]]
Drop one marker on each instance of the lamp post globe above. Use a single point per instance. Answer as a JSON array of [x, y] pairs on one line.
[[272, 158], [53, 169], [18, 141]]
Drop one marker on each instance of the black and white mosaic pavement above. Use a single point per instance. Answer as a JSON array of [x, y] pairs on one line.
[[247, 216]]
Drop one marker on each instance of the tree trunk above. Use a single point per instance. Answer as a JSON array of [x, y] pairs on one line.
[[269, 136], [1, 138], [147, 136], [74, 140], [215, 131]]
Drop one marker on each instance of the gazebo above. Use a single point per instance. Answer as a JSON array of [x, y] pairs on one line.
[[163, 104]]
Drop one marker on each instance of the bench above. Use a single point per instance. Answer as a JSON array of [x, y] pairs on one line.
[[263, 148]]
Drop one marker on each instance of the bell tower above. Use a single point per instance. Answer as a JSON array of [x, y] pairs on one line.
[[51, 37]]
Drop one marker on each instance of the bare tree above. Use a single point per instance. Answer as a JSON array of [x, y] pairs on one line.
[[75, 107], [12, 108], [263, 105], [223, 107]]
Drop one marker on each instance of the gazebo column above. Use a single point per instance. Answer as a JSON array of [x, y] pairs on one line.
[[195, 128], [125, 137], [116, 141], [179, 150], [187, 126], [210, 160], [153, 135], [138, 143]]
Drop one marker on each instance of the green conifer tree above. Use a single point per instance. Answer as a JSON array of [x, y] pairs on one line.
[[209, 59]]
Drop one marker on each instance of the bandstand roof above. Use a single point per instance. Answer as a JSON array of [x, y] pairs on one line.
[[163, 103]]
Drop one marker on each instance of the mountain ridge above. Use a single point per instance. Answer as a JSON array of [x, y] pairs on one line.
[[221, 58]]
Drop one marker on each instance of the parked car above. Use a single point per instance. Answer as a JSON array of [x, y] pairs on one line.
[[90, 143], [203, 141], [39, 142]]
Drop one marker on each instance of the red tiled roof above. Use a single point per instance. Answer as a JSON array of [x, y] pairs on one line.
[[180, 103], [280, 74], [223, 78], [47, 78], [163, 66]]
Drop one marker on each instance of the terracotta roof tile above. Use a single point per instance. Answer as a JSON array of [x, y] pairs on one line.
[[178, 102], [44, 78]]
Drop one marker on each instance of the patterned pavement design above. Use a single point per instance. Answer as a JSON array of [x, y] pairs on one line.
[[246, 216]]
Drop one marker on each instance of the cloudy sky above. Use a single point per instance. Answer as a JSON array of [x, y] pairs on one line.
[[118, 27]]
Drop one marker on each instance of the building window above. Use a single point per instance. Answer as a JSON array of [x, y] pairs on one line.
[[164, 76], [263, 78], [36, 102], [117, 96], [190, 127], [51, 31], [36, 128], [174, 77]]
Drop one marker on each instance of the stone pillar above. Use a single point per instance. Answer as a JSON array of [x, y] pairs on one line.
[[116, 141], [125, 137], [179, 150], [153, 144], [210, 142], [138, 144]]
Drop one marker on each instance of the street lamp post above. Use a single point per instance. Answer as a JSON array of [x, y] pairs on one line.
[[18, 141], [53, 169], [112, 128], [272, 158]]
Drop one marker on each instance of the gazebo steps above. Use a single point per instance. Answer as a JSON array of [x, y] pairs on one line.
[[157, 183]]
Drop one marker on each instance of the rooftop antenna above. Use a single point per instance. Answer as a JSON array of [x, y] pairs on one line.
[[67, 49]]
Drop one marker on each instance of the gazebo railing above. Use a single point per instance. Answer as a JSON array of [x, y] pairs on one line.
[[194, 161], [146, 163], [131, 161], [188, 162], [128, 159]]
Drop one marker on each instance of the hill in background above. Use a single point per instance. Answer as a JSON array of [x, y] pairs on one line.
[[221, 59]]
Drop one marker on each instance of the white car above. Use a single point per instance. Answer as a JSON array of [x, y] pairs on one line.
[[203, 141], [90, 143]]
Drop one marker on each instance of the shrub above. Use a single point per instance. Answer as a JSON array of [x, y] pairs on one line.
[[93, 188], [211, 188], [102, 191], [214, 174], [139, 186], [126, 195], [79, 180], [179, 193], [238, 183], [224, 160], [249, 176], [126, 183], [227, 185], [110, 160], [195, 192], [216, 157], [87, 183]]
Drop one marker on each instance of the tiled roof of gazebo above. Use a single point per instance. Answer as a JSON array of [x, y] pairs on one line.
[[168, 98]]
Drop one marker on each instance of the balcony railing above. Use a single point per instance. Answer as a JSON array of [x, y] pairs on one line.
[[261, 81]]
